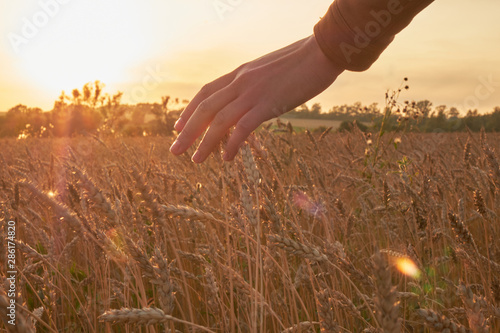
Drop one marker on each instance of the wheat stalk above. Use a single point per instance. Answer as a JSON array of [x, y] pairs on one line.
[[144, 316], [188, 213], [304, 326]]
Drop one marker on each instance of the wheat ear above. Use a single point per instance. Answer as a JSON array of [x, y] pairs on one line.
[[476, 319], [386, 302], [298, 249], [440, 323]]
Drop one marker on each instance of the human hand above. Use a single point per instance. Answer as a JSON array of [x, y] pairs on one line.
[[251, 94]]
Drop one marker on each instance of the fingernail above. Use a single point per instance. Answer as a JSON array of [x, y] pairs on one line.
[[175, 147], [177, 124], [196, 157], [226, 157]]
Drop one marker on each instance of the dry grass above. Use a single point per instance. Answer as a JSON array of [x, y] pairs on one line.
[[302, 233]]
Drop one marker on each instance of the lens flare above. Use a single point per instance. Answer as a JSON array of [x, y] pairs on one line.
[[115, 237], [407, 267], [304, 202]]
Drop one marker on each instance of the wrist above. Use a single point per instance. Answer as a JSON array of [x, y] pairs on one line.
[[320, 59]]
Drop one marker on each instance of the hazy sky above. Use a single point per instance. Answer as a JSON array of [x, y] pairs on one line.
[[152, 48]]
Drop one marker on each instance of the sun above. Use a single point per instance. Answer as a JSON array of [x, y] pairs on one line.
[[83, 42]]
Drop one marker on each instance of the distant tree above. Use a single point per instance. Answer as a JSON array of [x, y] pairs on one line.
[[113, 112], [92, 94], [472, 113], [493, 123], [355, 109], [453, 112], [440, 111], [315, 110], [76, 96], [22, 119], [165, 116], [302, 109], [424, 107], [473, 120], [372, 110]]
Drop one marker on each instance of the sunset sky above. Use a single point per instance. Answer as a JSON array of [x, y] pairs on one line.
[[152, 48]]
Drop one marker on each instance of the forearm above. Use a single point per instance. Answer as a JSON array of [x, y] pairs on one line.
[[354, 33]]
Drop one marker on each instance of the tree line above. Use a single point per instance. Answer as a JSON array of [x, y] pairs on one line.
[[91, 111], [419, 116]]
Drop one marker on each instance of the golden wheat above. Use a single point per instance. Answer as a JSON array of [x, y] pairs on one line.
[[290, 237]]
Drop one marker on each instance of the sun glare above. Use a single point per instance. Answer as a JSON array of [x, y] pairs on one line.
[[407, 267], [71, 49]]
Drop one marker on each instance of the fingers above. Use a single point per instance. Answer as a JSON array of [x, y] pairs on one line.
[[245, 126], [220, 125], [205, 92], [201, 117]]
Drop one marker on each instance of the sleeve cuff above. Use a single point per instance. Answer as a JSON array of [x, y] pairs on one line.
[[354, 33]]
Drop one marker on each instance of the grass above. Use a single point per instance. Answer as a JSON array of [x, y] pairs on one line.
[[303, 232], [300, 124]]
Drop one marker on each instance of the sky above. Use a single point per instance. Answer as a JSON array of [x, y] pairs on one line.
[[153, 48]]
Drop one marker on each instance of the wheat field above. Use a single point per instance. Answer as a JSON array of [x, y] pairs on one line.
[[332, 232]]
